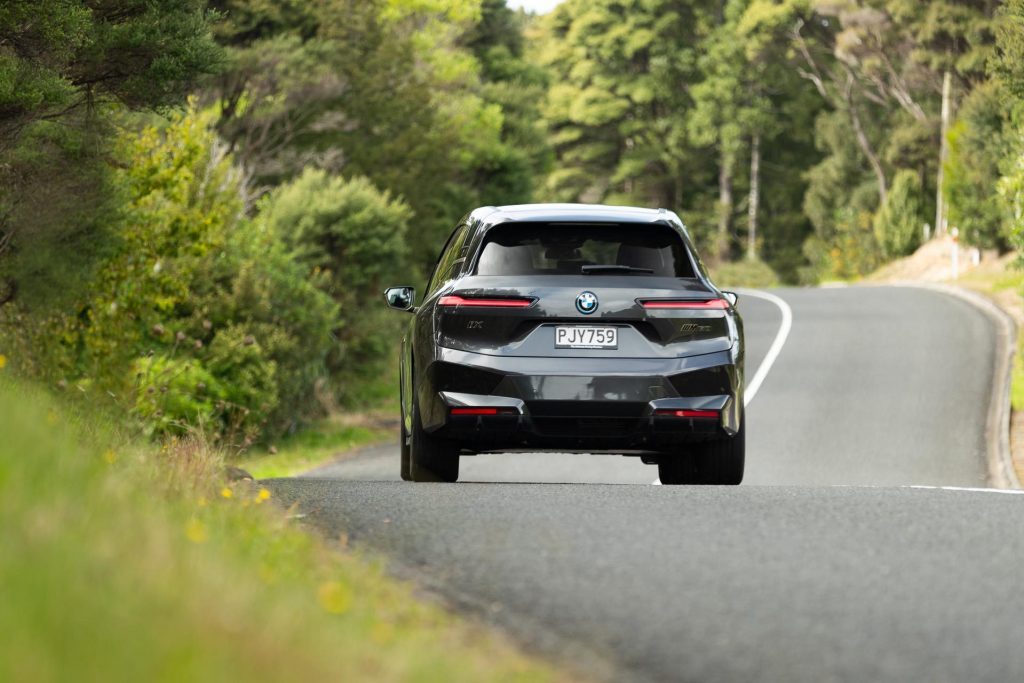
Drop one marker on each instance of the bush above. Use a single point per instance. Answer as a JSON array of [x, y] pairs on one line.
[[352, 239], [173, 394], [977, 146], [192, 295], [899, 222], [745, 273]]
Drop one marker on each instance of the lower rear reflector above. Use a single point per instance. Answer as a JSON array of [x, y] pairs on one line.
[[484, 411], [709, 414]]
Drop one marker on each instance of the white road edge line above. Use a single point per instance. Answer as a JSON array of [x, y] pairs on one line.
[[773, 351]]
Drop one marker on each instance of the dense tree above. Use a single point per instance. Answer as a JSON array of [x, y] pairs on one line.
[[64, 65], [619, 101], [433, 102]]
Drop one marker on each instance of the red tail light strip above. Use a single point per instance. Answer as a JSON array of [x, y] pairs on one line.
[[484, 411], [704, 414], [711, 304], [489, 303]]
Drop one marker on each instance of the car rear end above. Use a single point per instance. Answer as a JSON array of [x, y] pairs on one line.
[[583, 335]]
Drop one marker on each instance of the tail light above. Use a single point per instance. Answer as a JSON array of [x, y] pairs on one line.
[[707, 305], [484, 411], [701, 414], [452, 301]]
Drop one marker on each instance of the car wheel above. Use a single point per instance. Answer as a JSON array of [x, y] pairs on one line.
[[431, 458], [403, 441], [678, 468], [720, 461]]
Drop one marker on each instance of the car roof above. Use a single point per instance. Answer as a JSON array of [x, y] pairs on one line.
[[596, 213]]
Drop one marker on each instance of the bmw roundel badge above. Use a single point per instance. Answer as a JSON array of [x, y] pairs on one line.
[[586, 303]]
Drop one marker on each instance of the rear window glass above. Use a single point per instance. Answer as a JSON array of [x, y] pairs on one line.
[[572, 249]]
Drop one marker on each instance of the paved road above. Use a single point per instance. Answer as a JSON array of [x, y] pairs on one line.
[[780, 579]]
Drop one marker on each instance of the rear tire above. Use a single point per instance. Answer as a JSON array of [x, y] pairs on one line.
[[404, 450], [674, 470], [718, 462], [431, 458]]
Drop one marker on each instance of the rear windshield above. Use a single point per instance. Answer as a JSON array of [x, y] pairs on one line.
[[572, 249]]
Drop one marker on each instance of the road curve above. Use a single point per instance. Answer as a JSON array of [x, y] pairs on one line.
[[779, 579]]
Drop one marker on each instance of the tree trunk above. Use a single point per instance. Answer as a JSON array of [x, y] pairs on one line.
[[865, 144], [724, 205], [755, 196], [940, 202]]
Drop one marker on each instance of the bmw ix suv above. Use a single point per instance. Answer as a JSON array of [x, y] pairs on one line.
[[572, 328]]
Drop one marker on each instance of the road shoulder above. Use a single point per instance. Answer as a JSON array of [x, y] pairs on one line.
[[1005, 460]]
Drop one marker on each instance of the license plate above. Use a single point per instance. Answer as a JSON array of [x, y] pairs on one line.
[[577, 337]]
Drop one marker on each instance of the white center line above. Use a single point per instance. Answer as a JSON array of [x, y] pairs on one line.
[[754, 385]]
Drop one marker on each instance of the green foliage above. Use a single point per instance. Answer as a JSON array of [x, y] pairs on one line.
[[352, 239], [614, 111], [198, 314], [898, 223], [745, 273], [60, 54], [432, 101], [851, 252], [175, 395], [254, 285], [977, 145], [68, 68]]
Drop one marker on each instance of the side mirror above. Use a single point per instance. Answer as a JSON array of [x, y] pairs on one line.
[[731, 297], [401, 298]]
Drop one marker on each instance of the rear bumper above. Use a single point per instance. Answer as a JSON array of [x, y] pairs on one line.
[[580, 403]]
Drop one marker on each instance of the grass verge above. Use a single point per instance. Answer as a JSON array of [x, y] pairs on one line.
[[1003, 282], [321, 442], [124, 562]]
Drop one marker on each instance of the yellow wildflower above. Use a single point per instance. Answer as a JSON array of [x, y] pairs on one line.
[[3, 361], [109, 456], [335, 597], [226, 492], [263, 495], [195, 531]]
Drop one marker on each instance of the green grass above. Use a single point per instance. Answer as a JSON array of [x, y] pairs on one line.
[[315, 445], [991, 281], [1017, 378], [122, 562]]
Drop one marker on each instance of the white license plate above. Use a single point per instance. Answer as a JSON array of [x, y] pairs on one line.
[[577, 337]]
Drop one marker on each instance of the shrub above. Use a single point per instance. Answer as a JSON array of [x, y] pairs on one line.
[[977, 147], [174, 394], [193, 293], [898, 223], [352, 239]]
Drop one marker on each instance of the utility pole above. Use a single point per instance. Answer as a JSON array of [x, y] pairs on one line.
[[940, 202]]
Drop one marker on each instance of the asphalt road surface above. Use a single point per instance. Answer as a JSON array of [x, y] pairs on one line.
[[828, 564]]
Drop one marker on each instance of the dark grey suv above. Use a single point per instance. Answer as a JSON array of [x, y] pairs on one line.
[[572, 328]]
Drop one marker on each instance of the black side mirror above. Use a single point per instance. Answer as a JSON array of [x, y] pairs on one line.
[[731, 297], [401, 298]]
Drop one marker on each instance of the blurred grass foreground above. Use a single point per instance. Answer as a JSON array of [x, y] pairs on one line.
[[123, 561]]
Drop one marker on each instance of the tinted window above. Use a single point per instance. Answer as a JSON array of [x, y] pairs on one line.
[[547, 249], [448, 259]]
